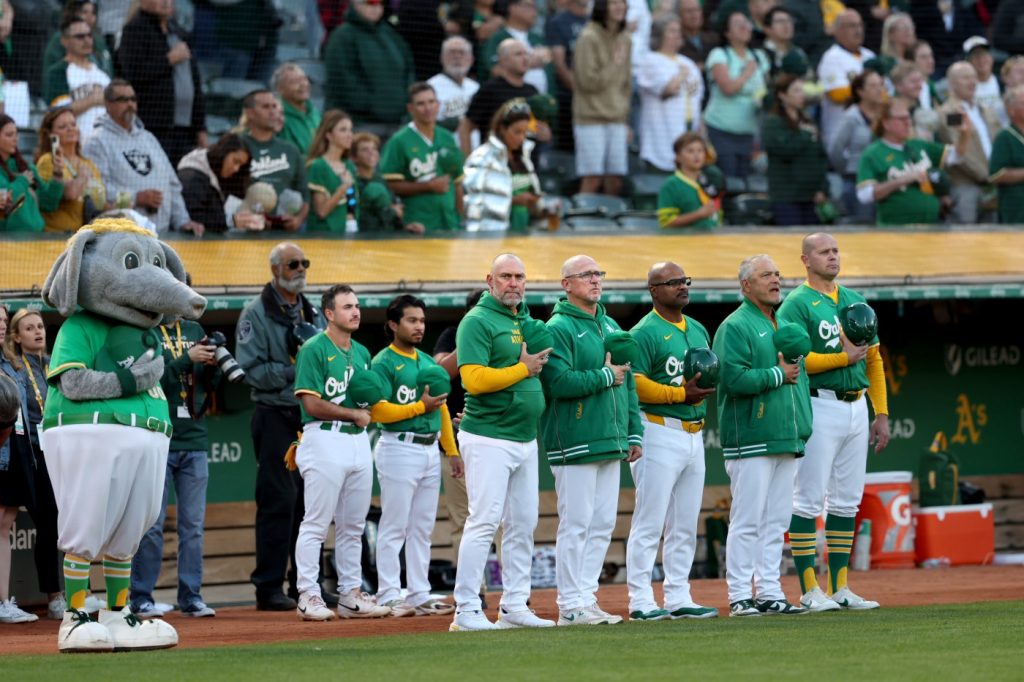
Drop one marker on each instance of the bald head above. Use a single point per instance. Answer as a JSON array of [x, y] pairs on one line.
[[963, 80], [503, 259], [513, 58], [812, 240], [658, 271], [849, 30], [578, 264], [283, 252], [507, 280]]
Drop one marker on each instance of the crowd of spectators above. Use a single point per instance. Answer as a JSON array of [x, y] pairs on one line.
[[789, 91]]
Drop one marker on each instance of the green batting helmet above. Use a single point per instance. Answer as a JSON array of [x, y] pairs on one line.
[[701, 360], [536, 335], [792, 341], [436, 377], [368, 387], [859, 322]]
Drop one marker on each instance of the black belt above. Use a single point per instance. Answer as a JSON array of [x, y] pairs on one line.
[[417, 438], [845, 396]]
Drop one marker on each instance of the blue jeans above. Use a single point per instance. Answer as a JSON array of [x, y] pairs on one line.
[[189, 472]]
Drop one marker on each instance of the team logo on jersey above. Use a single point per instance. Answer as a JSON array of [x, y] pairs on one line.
[[971, 418], [829, 333], [140, 161], [266, 165], [406, 395], [674, 368], [423, 170], [334, 390]]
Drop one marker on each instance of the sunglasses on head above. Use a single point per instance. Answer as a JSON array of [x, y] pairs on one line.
[[516, 107], [294, 264]]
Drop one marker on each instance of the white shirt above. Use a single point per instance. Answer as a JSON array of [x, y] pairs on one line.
[[979, 125], [835, 70], [987, 93], [640, 12], [80, 82], [454, 99], [538, 78], [663, 120]]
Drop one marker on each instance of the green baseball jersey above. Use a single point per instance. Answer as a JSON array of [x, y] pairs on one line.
[[324, 370], [80, 340], [278, 163], [678, 195], [323, 180], [915, 203], [662, 347], [402, 372], [819, 315], [410, 157], [1008, 152], [490, 335]]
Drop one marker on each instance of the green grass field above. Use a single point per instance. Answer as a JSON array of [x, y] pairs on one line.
[[934, 643]]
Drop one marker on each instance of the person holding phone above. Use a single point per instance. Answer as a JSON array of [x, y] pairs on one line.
[[84, 192], [27, 192], [969, 179]]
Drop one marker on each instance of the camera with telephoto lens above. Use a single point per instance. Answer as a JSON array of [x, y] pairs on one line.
[[225, 360]]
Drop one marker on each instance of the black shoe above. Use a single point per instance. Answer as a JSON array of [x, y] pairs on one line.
[[483, 602], [275, 602], [330, 598]]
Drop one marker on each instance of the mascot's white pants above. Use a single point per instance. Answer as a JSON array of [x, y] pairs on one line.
[[108, 481]]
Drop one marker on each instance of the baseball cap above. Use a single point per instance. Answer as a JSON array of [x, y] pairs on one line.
[[436, 377], [368, 387], [622, 346], [536, 335], [792, 341], [974, 42]]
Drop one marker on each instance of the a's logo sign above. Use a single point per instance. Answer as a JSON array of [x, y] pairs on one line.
[[954, 358], [971, 417], [895, 369]]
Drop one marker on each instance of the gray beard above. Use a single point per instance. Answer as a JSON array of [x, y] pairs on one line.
[[457, 74], [292, 286]]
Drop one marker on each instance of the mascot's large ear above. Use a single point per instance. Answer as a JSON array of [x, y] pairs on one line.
[[61, 287], [174, 263]]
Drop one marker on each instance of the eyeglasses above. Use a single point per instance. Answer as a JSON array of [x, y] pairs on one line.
[[121, 99], [294, 264], [80, 36], [675, 282], [589, 274]]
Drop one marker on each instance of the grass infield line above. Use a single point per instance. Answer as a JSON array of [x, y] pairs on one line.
[[931, 643]]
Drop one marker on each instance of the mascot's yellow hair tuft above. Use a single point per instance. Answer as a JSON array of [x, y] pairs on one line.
[[105, 225]]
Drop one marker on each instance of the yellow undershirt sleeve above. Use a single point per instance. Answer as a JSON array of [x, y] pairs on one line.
[[816, 363], [653, 393], [479, 379], [840, 95], [876, 382], [448, 433], [389, 413]]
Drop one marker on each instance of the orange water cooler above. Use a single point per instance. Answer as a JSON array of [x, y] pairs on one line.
[[886, 503]]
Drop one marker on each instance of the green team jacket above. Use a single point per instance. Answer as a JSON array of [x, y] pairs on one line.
[[587, 419], [189, 434], [758, 414], [491, 335]]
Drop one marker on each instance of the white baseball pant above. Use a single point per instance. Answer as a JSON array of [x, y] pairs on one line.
[[762, 504], [108, 481], [410, 480], [588, 500], [830, 475], [502, 485], [669, 482], [337, 481]]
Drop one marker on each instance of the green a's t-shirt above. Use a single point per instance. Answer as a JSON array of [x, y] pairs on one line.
[[402, 373], [915, 203], [1008, 152], [324, 370], [678, 195], [491, 335], [277, 163], [819, 315], [660, 359], [410, 157], [322, 179], [80, 340]]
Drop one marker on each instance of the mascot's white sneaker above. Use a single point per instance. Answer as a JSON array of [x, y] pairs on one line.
[[131, 634], [80, 634]]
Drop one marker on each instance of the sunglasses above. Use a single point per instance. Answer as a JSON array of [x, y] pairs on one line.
[[676, 282], [294, 264]]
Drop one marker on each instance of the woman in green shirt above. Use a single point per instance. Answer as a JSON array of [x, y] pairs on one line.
[[25, 193], [331, 176]]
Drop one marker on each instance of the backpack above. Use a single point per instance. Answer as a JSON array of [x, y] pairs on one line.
[[939, 475]]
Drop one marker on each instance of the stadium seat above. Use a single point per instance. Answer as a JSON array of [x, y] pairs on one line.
[[748, 209], [637, 221], [315, 70], [287, 52], [224, 96], [590, 223], [645, 188], [218, 125], [609, 205]]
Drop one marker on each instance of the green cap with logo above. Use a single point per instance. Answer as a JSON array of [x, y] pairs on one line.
[[536, 335], [792, 341], [436, 377], [859, 322], [622, 346], [701, 360]]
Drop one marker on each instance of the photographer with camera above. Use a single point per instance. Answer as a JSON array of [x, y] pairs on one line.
[[190, 376], [269, 332]]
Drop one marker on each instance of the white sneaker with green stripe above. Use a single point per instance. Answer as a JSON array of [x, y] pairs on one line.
[[815, 601], [779, 607], [848, 600], [694, 611], [653, 613], [744, 607]]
